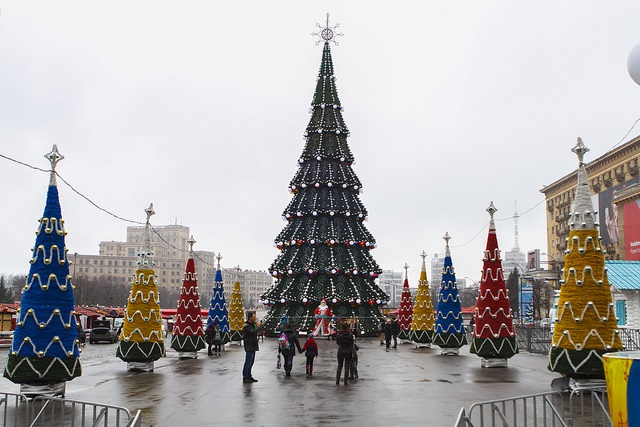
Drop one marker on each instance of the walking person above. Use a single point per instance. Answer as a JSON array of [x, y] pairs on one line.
[[345, 352], [310, 349], [209, 333], [288, 342], [387, 333], [381, 326], [250, 332], [395, 330], [217, 340]]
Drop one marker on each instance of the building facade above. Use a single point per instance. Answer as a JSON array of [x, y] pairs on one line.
[[391, 282], [614, 179], [116, 262]]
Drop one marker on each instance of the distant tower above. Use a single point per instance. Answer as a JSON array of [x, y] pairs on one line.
[[514, 258]]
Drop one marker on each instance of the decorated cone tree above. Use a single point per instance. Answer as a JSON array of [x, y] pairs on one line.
[[325, 246], [449, 328], [585, 325], [218, 310], [422, 319], [188, 334], [141, 341], [494, 338], [236, 312], [405, 311], [44, 349]]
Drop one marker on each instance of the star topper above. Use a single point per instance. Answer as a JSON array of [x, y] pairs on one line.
[[406, 269], [219, 257], [328, 33], [446, 237], [54, 157], [580, 149], [191, 242], [423, 255]]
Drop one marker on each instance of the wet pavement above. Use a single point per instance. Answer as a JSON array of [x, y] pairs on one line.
[[408, 385]]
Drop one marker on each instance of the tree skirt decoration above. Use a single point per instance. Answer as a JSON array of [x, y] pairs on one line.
[[236, 312], [493, 334], [405, 311], [218, 310], [585, 325], [44, 349], [141, 341], [325, 246], [449, 332], [188, 334], [422, 318]]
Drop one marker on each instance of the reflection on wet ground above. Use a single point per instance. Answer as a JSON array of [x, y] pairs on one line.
[[406, 385]]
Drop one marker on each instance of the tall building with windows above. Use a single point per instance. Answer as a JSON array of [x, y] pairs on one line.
[[391, 282], [615, 192], [117, 260]]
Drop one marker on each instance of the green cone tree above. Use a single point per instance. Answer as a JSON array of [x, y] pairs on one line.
[[325, 246]]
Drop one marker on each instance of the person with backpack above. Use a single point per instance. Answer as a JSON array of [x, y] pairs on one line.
[[345, 343], [217, 340], [310, 349], [287, 344]]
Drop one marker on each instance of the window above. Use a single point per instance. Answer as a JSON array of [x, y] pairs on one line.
[[621, 312]]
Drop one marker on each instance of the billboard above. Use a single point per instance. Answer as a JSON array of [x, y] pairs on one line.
[[608, 216], [632, 230], [526, 300]]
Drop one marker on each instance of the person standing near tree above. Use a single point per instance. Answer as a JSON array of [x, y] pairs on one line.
[[250, 332], [290, 346], [345, 352], [395, 330]]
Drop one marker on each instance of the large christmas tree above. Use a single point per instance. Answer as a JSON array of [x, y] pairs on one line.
[[585, 326], [405, 311], [218, 312], [494, 338], [325, 246], [141, 341], [188, 334], [236, 311], [44, 349], [422, 319], [449, 332]]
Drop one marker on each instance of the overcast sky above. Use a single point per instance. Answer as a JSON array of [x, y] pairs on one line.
[[200, 108]]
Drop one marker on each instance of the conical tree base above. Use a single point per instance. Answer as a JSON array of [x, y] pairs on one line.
[[140, 351], [188, 343], [36, 370], [446, 340], [421, 337], [498, 348], [582, 364]]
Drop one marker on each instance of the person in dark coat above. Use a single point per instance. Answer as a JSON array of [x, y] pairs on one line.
[[310, 349], [250, 332], [395, 330], [345, 343], [288, 353], [209, 333], [387, 333]]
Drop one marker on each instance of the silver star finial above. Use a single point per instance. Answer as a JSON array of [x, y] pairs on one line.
[[580, 149], [406, 269], [446, 237], [191, 242], [149, 211], [423, 255], [54, 157], [492, 210], [327, 33], [219, 257]]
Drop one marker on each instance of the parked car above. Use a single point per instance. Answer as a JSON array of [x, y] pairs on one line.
[[102, 331]]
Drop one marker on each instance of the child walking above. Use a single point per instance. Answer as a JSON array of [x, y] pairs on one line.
[[310, 349]]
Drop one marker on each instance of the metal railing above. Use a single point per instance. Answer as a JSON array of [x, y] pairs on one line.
[[630, 338], [18, 410], [534, 339], [582, 407]]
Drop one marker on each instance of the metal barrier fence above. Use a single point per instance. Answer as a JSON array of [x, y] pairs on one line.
[[630, 338], [583, 407], [17, 410], [534, 339]]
